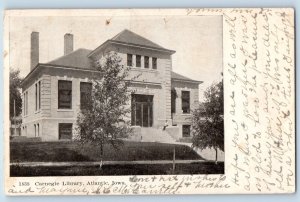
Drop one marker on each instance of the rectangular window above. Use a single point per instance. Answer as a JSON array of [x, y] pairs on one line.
[[64, 94], [36, 97], [39, 84], [154, 63], [34, 130], [142, 110], [65, 131], [129, 60], [38, 130], [173, 101], [25, 103], [185, 97], [138, 60], [186, 130], [24, 99], [146, 62], [85, 95]]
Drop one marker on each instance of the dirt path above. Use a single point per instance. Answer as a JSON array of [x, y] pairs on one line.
[[86, 163]]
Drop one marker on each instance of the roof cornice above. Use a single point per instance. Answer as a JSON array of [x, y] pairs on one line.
[[39, 65], [143, 46], [30, 73], [131, 45], [187, 81]]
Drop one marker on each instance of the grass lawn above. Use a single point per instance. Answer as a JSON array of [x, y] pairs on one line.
[[71, 151], [137, 169]]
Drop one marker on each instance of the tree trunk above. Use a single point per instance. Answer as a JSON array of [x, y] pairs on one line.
[[101, 156], [216, 155], [174, 157]]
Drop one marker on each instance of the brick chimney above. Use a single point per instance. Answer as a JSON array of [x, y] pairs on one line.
[[68, 40], [34, 51]]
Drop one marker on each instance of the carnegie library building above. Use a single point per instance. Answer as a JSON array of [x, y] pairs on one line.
[[54, 92]]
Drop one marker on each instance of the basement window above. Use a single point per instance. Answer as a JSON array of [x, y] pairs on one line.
[[186, 130], [65, 131]]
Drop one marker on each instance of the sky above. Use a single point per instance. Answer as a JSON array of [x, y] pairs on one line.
[[197, 40]]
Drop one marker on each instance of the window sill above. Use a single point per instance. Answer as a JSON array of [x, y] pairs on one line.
[[180, 113], [143, 69], [36, 112], [65, 110], [186, 137]]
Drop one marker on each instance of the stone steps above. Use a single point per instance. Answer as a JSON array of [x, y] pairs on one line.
[[155, 135]]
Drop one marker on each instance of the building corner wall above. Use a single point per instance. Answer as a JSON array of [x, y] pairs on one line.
[[167, 85]]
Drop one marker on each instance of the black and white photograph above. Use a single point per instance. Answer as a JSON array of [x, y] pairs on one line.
[[117, 95], [149, 101]]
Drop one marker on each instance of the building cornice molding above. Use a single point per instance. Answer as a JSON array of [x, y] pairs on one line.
[[187, 81], [130, 45], [45, 65]]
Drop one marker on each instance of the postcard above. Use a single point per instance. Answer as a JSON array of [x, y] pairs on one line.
[[149, 101]]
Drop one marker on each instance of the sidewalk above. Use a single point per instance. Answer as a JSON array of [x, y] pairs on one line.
[[87, 163]]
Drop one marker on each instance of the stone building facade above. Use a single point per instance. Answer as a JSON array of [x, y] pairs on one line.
[[52, 92]]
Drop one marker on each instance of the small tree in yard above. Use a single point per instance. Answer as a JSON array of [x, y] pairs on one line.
[[208, 120], [102, 122]]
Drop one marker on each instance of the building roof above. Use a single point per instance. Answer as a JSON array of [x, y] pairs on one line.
[[176, 76], [130, 37], [78, 58]]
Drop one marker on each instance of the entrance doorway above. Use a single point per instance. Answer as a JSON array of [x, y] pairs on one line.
[[142, 110]]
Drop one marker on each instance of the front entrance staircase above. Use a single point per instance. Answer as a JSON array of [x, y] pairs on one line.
[[150, 134]]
